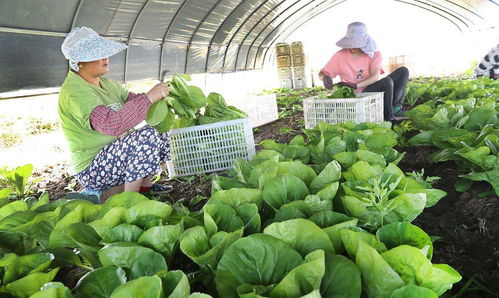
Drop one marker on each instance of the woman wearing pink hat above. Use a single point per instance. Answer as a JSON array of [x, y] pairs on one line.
[[359, 65], [98, 116]]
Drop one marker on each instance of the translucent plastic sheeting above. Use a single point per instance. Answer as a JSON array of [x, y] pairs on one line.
[[190, 36], [25, 60]]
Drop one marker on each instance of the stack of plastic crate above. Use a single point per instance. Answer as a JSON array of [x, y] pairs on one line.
[[367, 107], [298, 63], [284, 70]]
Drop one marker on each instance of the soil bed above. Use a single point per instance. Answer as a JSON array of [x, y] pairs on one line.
[[467, 223]]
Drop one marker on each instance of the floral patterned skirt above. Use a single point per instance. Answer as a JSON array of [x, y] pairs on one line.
[[135, 156]]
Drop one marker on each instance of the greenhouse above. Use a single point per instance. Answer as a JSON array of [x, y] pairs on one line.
[[235, 148]]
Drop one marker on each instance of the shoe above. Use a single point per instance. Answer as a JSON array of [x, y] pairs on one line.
[[156, 189], [400, 115]]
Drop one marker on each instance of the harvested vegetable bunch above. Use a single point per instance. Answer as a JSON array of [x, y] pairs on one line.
[[182, 107], [342, 92], [218, 110]]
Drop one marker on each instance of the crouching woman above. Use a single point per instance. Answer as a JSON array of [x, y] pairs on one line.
[[98, 116]]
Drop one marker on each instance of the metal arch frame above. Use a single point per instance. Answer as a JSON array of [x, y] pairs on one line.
[[76, 15], [432, 5], [299, 25], [468, 10], [195, 32], [215, 34], [418, 6], [266, 26], [282, 22], [237, 31], [452, 12], [251, 30], [130, 34], [163, 41], [310, 18]]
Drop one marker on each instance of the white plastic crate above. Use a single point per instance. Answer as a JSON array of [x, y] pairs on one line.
[[299, 83], [261, 109], [209, 148], [367, 107], [287, 83], [284, 73]]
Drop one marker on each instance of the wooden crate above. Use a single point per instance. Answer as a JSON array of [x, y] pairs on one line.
[[298, 60], [283, 61], [283, 49], [297, 48], [299, 71], [398, 61]]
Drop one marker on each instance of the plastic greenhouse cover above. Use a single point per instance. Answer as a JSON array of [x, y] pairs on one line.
[[192, 36]]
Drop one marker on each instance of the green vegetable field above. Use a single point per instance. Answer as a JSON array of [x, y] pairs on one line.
[[343, 210]]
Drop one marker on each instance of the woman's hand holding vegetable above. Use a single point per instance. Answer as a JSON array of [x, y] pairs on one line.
[[158, 92]]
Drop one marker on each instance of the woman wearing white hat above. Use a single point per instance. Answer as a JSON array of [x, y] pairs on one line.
[[97, 112], [359, 65]]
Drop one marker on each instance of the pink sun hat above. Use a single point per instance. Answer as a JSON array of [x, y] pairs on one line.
[[357, 37]]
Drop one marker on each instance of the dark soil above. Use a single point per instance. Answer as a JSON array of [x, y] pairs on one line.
[[468, 224]]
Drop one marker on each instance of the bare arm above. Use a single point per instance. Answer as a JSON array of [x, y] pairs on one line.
[[374, 77]]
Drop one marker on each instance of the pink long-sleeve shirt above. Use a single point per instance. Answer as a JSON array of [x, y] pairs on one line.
[[115, 123]]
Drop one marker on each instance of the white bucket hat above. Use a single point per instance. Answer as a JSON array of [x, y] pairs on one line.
[[83, 44], [357, 37]]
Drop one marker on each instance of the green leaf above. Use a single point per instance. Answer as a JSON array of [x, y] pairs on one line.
[[302, 235], [142, 287], [100, 283], [157, 112], [123, 233], [220, 217], [136, 259], [175, 284], [302, 279], [24, 265], [236, 197], [328, 193], [53, 290], [267, 260], [112, 218], [124, 199], [298, 169], [284, 189], [441, 279], [44, 199], [398, 233], [414, 291], [341, 278], [406, 207], [59, 236], [409, 262], [162, 239], [203, 250], [379, 279], [145, 211], [13, 207], [352, 237], [30, 284], [330, 174]]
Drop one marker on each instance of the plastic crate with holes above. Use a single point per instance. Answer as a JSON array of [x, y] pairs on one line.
[[210, 147], [367, 107], [261, 109]]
